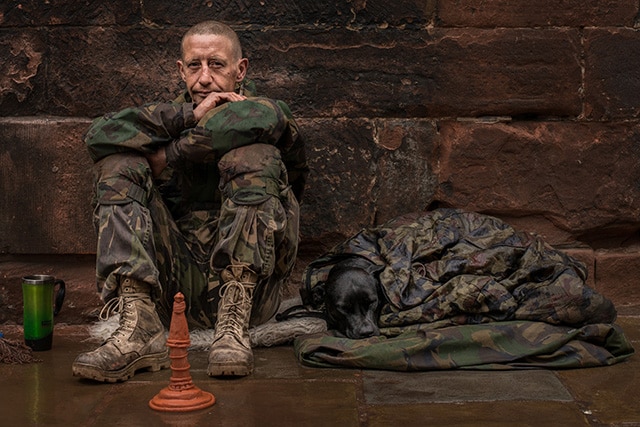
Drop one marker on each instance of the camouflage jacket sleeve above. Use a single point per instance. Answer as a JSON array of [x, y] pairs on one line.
[[141, 129], [236, 124]]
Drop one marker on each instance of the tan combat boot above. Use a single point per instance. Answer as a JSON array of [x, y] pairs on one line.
[[230, 353], [138, 343]]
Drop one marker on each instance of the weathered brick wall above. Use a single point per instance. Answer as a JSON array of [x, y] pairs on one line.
[[525, 110]]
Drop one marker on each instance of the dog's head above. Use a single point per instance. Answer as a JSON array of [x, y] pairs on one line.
[[353, 298]]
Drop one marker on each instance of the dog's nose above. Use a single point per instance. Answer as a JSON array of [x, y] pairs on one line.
[[368, 330]]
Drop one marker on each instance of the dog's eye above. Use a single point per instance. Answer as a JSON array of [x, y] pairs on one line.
[[342, 307]]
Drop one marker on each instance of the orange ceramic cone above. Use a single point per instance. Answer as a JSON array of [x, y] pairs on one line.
[[180, 395]]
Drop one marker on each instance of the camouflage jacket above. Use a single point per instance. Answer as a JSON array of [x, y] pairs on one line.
[[449, 267], [465, 290], [193, 147]]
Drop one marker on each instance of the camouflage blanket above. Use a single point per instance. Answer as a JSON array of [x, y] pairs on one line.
[[460, 279], [499, 345]]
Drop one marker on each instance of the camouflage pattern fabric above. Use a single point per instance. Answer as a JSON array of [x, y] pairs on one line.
[[196, 147], [145, 128], [456, 267], [258, 225], [235, 207], [467, 290], [499, 346], [137, 237]]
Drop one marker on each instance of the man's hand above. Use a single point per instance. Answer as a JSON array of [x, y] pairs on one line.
[[157, 161], [213, 100]]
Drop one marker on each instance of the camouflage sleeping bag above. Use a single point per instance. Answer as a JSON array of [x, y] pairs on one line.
[[467, 290]]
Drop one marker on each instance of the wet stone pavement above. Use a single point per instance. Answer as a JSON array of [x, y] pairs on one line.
[[281, 392]]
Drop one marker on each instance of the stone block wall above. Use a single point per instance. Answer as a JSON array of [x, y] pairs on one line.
[[523, 110]]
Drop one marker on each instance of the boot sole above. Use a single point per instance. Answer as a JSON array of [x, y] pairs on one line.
[[228, 370], [150, 362]]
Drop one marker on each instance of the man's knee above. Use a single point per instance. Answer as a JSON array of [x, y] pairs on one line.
[[251, 174], [123, 178]]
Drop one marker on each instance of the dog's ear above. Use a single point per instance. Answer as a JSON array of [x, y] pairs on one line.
[[318, 294], [314, 296]]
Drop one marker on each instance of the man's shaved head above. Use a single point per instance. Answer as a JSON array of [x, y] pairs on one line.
[[214, 28]]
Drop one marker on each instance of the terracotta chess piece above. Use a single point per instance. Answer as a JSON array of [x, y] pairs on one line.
[[181, 394]]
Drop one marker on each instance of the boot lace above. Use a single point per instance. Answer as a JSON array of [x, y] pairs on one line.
[[123, 305], [233, 310]]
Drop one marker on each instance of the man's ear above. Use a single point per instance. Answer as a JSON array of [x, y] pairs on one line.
[[181, 70], [243, 65]]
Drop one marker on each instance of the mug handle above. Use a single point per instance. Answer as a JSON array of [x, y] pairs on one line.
[[59, 296]]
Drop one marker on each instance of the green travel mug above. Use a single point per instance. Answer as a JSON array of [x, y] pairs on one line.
[[39, 308]]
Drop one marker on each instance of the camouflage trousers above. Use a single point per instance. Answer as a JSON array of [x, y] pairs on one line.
[[256, 227]]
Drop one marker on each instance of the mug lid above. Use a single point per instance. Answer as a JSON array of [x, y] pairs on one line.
[[38, 279]]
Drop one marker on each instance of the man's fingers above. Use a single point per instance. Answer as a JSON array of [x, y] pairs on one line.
[[215, 99], [232, 96]]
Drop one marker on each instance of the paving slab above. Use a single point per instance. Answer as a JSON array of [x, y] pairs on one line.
[[609, 392], [282, 392], [474, 414], [462, 386], [244, 403]]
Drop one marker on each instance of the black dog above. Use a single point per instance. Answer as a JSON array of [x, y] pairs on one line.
[[353, 298]]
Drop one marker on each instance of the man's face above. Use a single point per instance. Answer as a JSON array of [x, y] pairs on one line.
[[209, 65]]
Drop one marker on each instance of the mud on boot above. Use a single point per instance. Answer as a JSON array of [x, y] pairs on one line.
[[230, 353], [138, 343]]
